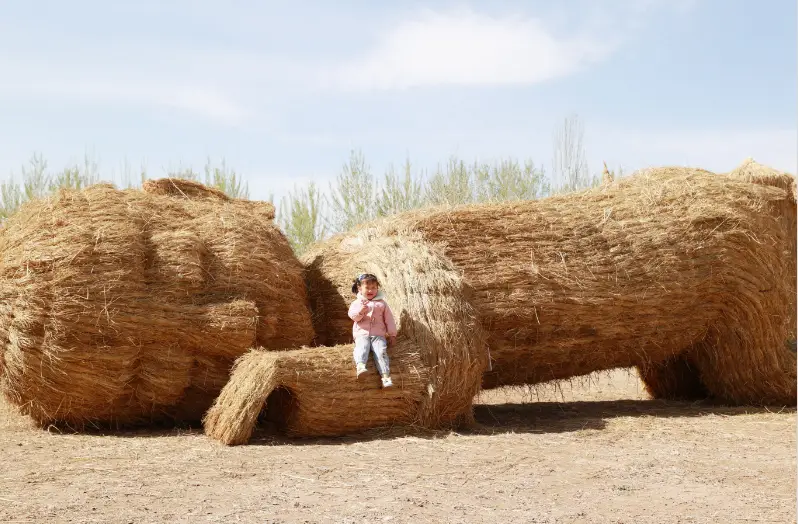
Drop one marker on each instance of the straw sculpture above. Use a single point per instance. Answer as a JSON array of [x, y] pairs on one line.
[[679, 272], [436, 364], [124, 306]]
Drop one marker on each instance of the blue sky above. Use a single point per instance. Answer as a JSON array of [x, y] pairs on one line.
[[282, 91]]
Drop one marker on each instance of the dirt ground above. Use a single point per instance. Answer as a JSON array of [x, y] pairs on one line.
[[587, 452]]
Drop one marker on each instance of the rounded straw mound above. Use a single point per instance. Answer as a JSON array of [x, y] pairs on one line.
[[125, 306], [436, 364], [785, 212], [752, 171], [680, 272], [680, 377]]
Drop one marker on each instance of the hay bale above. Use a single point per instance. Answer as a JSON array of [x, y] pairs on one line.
[[123, 306], [436, 364], [672, 265]]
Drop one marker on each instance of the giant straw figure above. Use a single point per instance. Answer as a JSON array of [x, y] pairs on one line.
[[131, 306]]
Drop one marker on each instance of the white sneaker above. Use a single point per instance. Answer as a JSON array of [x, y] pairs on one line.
[[361, 368], [387, 382]]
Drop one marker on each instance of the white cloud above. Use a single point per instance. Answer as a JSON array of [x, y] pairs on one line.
[[463, 47]]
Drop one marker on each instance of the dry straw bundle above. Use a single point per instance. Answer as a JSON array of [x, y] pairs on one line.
[[128, 306], [436, 365], [313, 392]]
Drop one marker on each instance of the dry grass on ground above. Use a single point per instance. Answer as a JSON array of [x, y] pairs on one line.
[[595, 452]]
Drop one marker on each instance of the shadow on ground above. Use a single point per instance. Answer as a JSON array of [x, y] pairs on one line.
[[491, 419], [559, 417], [537, 417]]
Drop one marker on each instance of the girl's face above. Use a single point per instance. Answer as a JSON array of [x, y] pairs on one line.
[[369, 289]]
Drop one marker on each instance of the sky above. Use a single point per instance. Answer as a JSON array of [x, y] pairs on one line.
[[282, 92]]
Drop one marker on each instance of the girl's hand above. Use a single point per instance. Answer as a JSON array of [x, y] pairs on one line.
[[364, 309], [391, 341]]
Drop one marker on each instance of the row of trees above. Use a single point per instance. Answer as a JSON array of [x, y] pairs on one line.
[[36, 181], [308, 214]]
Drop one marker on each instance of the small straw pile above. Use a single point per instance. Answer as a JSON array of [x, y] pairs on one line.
[[125, 306], [436, 364]]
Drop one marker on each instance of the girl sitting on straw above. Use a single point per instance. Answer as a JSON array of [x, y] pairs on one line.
[[373, 322]]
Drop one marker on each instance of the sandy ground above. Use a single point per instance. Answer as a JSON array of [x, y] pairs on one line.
[[583, 453]]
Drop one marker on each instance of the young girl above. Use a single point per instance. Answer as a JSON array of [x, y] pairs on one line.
[[374, 326]]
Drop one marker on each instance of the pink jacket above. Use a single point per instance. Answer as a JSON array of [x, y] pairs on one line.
[[378, 321]]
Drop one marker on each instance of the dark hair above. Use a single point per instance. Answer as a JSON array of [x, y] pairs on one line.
[[365, 277]]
